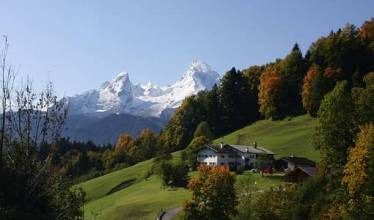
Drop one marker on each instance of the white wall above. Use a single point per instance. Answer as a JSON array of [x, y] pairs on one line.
[[207, 157], [210, 157]]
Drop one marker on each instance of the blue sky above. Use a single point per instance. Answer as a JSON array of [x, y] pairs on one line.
[[80, 44]]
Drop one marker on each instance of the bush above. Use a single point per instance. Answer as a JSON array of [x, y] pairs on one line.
[[240, 170], [173, 174], [275, 203]]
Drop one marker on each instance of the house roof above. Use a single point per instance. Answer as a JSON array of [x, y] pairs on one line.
[[226, 148], [251, 149], [300, 161], [310, 171]]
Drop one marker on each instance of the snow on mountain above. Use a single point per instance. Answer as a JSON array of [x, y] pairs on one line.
[[121, 96]]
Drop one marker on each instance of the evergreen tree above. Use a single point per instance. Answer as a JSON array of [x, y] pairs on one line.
[[234, 100], [214, 111], [292, 72], [83, 163], [252, 76]]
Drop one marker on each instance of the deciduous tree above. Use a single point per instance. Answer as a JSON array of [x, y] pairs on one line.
[[213, 195], [359, 175], [336, 128]]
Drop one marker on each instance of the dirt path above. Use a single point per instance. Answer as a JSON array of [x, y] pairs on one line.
[[171, 213]]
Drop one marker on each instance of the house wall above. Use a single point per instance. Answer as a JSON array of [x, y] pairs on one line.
[[229, 159], [251, 159], [207, 157], [290, 166], [233, 160]]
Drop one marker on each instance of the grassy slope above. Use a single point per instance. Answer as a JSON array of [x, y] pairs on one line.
[[145, 198], [142, 200], [282, 137]]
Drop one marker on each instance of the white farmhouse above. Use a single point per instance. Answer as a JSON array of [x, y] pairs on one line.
[[234, 156]]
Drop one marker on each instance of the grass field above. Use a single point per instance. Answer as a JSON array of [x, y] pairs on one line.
[[283, 137], [141, 200], [125, 194]]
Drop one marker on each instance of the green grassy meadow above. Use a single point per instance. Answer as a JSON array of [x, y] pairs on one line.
[[108, 196], [284, 137]]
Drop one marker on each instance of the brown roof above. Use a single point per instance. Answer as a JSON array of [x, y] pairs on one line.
[[299, 161], [310, 171]]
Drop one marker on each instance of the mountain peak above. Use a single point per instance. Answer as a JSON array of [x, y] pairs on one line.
[[122, 76], [199, 66], [119, 95]]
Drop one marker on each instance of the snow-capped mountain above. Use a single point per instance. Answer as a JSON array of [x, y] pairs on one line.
[[120, 95]]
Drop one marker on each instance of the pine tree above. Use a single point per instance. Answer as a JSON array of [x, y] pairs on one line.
[[292, 73]]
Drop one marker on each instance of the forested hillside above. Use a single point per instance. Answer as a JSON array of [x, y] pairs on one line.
[[293, 85]]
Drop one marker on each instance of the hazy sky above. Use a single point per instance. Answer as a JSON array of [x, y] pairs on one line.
[[80, 44]]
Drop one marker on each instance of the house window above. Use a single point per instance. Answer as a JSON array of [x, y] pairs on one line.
[[222, 164], [223, 156]]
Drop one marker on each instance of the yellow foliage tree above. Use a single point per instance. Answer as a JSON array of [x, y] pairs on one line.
[[123, 143], [359, 175]]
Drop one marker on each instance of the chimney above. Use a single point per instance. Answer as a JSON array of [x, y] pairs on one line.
[[255, 144], [292, 155], [221, 145]]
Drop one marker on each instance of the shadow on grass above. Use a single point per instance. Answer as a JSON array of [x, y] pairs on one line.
[[121, 186]]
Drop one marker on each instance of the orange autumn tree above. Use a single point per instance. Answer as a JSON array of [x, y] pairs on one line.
[[308, 86], [367, 32], [359, 175], [213, 195], [268, 91], [123, 143]]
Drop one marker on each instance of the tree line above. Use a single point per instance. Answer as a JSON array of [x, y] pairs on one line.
[[290, 86]]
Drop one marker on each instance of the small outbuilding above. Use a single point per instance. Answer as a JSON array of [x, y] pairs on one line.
[[301, 173], [292, 162]]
